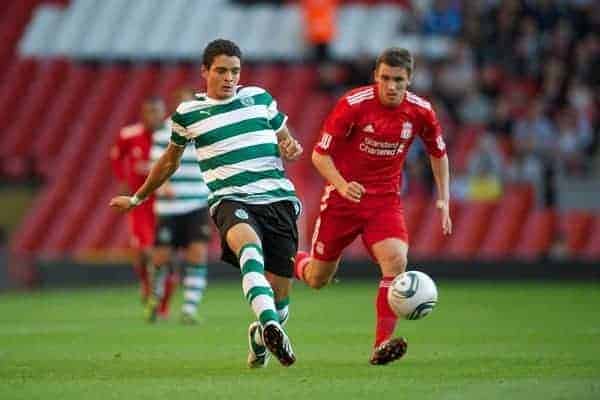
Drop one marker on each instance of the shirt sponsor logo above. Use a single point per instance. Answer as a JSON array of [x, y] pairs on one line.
[[369, 128], [381, 149]]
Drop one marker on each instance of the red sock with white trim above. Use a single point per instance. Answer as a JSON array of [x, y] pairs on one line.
[[386, 319]]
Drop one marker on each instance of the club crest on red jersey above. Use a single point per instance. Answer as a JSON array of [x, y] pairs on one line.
[[406, 130]]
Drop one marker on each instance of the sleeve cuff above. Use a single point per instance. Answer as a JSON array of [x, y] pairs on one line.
[[278, 122], [178, 140]]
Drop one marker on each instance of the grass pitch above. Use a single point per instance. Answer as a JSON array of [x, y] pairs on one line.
[[483, 341]]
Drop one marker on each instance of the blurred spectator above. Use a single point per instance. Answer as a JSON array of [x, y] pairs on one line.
[[320, 29], [320, 26], [475, 108], [453, 79], [359, 72], [587, 59], [534, 134], [534, 138], [529, 49], [485, 170], [422, 80], [554, 79], [501, 122], [444, 18], [574, 138], [546, 13]]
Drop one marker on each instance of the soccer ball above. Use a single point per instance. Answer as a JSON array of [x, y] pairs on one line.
[[412, 295]]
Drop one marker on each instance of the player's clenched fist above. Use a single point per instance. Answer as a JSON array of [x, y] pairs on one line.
[[290, 149], [122, 203], [352, 191]]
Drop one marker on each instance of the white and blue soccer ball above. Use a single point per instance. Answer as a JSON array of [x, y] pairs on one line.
[[412, 295]]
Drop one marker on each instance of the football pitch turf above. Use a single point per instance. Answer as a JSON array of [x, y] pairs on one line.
[[527, 340]]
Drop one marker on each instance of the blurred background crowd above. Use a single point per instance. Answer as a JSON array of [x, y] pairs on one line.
[[515, 84]]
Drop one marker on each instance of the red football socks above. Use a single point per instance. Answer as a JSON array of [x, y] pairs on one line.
[[142, 273], [169, 289], [386, 319]]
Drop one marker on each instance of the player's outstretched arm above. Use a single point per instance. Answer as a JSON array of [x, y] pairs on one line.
[[351, 191], [166, 165], [441, 172], [289, 147]]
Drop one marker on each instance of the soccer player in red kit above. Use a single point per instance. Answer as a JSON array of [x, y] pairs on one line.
[[360, 154], [130, 156]]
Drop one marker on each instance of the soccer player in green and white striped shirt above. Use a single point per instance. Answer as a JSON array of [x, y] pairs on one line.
[[241, 139], [181, 207]]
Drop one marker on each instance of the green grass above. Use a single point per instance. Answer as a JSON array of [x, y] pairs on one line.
[[484, 341]]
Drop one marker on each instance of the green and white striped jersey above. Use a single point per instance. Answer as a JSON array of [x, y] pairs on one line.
[[191, 193], [236, 144]]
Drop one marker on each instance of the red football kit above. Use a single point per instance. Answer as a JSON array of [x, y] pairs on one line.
[[368, 143], [130, 157]]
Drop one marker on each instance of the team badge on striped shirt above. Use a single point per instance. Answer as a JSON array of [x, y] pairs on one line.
[[241, 213], [247, 101]]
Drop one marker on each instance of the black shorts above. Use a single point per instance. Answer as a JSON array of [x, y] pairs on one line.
[[274, 223], [181, 230]]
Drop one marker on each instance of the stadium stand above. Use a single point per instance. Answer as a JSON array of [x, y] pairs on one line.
[[70, 84]]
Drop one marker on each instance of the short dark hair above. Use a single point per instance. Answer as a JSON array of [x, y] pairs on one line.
[[396, 57], [220, 47]]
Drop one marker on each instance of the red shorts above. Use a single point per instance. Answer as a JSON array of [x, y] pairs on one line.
[[141, 225], [340, 221]]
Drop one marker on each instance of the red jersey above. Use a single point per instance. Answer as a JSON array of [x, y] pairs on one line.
[[368, 141], [130, 155]]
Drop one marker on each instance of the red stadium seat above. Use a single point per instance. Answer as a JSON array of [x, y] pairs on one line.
[[268, 77], [591, 250], [59, 123], [414, 212], [31, 115], [100, 224], [172, 78], [430, 240], [15, 82], [506, 224], [470, 227], [537, 235], [576, 226]]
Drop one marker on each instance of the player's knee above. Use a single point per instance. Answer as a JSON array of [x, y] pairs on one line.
[[395, 264], [160, 256], [196, 253]]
